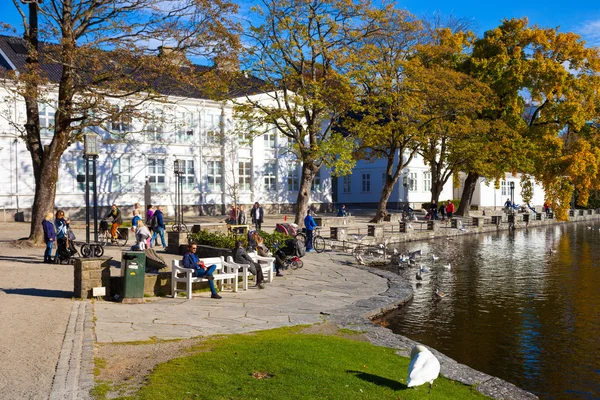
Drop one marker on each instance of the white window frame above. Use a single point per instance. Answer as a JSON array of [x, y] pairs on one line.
[[157, 179], [245, 175], [270, 176], [366, 182], [504, 188], [414, 181], [293, 178], [124, 124], [212, 129], [121, 174], [316, 185], [47, 114], [79, 170], [188, 175], [270, 138], [347, 184], [427, 181], [214, 176], [185, 132]]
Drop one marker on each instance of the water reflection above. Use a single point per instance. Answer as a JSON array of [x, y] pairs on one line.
[[512, 308]]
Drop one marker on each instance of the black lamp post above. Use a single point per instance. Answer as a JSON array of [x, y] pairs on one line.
[[90, 153], [179, 169], [512, 196]]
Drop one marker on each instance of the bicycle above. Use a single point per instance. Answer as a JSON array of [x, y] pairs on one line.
[[179, 227], [318, 241], [105, 236]]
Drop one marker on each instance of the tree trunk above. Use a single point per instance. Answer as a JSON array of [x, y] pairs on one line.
[[309, 170], [467, 194], [45, 193], [388, 186]]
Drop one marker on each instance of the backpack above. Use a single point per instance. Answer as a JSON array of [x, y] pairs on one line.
[[300, 248], [154, 222]]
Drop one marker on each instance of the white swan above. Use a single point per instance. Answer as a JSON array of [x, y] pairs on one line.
[[434, 257], [423, 269], [423, 367], [439, 293], [448, 266]]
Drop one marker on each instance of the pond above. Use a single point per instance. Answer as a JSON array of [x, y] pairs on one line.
[[512, 308]]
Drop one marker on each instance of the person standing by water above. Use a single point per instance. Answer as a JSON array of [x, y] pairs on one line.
[[49, 237], [450, 209], [442, 211], [310, 225], [190, 260], [433, 210]]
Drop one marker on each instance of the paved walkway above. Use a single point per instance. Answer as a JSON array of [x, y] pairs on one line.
[[303, 296]]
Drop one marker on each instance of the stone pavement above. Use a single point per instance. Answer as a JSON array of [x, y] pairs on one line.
[[303, 296]]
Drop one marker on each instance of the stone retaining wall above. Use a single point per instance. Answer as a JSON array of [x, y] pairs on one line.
[[90, 273]]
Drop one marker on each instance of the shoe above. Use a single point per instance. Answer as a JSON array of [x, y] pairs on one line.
[[279, 274], [215, 296], [209, 277], [260, 286]]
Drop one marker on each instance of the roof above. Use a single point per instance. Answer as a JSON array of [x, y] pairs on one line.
[[13, 54]]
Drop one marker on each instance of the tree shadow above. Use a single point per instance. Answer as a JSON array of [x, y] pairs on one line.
[[63, 294], [22, 259], [378, 380]]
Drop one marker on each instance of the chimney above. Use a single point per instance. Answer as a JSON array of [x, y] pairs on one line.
[[177, 56], [226, 63]]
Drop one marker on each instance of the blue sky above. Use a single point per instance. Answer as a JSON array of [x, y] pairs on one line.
[[579, 16]]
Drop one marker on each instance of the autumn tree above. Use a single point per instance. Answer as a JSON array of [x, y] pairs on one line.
[[93, 54], [547, 84], [305, 52]]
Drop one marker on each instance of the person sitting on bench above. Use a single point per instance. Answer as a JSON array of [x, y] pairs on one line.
[[190, 260]]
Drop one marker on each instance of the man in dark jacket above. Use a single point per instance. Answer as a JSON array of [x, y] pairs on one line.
[[257, 213], [190, 260], [115, 213], [310, 225], [158, 227], [241, 257]]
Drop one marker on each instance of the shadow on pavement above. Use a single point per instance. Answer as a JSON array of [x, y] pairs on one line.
[[39, 292], [378, 380], [22, 259]]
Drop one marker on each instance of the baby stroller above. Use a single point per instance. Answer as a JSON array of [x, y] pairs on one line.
[[66, 249], [288, 261]]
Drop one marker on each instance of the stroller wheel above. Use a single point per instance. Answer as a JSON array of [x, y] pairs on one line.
[[98, 251]]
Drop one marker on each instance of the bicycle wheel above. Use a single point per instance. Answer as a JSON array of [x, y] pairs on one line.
[[121, 239], [98, 251], [319, 244], [299, 263], [294, 264], [86, 251]]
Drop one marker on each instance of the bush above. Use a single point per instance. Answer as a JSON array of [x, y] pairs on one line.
[[227, 241]]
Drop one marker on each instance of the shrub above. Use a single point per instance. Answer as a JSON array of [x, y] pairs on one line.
[[227, 241]]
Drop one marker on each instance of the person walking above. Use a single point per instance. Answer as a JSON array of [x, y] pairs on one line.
[[190, 260], [433, 210], [310, 225], [158, 227], [49, 237], [142, 236], [241, 257], [115, 213], [257, 213], [442, 211], [241, 216]]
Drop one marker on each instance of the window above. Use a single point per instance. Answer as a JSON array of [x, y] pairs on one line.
[[413, 181], [121, 120], [316, 183], [80, 165], [293, 178], [188, 175], [426, 181], [156, 173], [212, 128], [185, 127], [366, 183], [270, 176], [347, 184], [214, 176], [46, 113], [504, 188], [121, 173], [245, 175], [270, 138]]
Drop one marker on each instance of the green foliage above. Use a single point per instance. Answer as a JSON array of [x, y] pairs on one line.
[[227, 241], [285, 364]]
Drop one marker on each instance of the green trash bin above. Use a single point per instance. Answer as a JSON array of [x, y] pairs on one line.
[[133, 267]]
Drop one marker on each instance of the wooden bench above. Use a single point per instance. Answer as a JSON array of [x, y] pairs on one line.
[[226, 273]]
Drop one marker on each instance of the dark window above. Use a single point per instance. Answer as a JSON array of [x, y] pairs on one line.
[[18, 48]]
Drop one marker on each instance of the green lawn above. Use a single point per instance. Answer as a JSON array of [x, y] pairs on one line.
[[286, 364]]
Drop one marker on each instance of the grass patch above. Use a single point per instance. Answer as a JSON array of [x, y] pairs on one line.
[[99, 365], [350, 332], [285, 364]]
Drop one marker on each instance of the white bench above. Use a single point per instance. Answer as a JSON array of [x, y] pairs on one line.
[[267, 264], [226, 273]]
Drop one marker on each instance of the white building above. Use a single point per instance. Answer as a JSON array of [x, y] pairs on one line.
[[197, 130]]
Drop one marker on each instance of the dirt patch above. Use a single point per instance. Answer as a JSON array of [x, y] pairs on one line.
[[124, 367], [329, 329]]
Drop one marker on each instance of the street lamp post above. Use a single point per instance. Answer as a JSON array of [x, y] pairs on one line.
[[406, 182], [179, 169], [512, 196], [90, 153]]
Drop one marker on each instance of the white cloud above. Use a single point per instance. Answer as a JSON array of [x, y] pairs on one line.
[[590, 32]]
